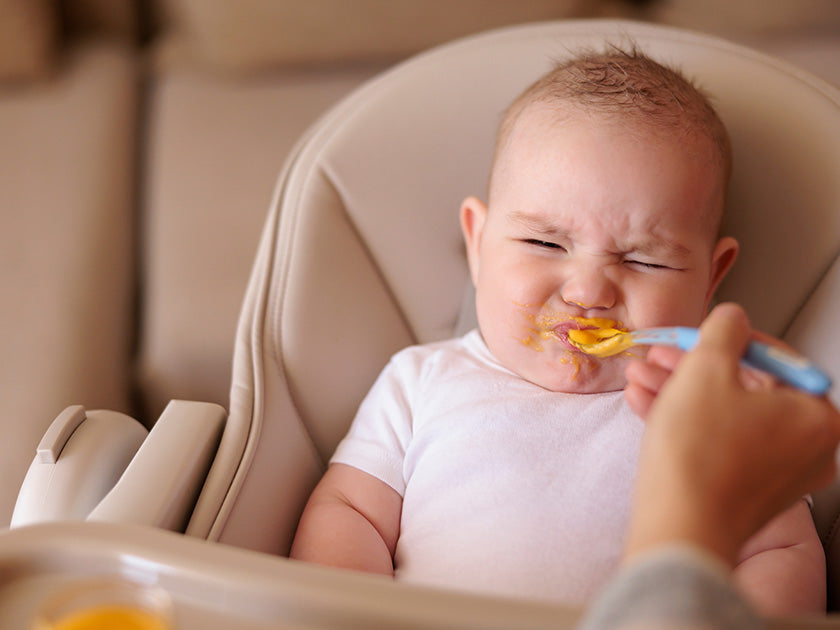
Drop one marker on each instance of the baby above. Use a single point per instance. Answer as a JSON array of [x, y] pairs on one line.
[[503, 462]]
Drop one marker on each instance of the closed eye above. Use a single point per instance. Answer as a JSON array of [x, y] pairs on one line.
[[646, 265], [545, 244]]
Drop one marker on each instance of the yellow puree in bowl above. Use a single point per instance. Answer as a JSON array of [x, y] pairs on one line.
[[110, 618]]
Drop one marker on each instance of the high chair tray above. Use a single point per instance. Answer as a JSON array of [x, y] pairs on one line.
[[216, 586], [213, 586]]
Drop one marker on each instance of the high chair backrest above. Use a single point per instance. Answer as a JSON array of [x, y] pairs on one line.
[[362, 253]]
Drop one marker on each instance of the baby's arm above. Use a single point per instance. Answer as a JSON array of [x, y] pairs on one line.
[[352, 520], [781, 569]]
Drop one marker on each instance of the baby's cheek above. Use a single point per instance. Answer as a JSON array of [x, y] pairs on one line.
[[674, 307]]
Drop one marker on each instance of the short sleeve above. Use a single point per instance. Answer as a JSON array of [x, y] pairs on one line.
[[381, 431]]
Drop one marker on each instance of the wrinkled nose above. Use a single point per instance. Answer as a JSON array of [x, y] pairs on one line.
[[587, 287]]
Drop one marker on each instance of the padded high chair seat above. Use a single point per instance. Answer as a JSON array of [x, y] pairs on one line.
[[362, 251], [361, 254]]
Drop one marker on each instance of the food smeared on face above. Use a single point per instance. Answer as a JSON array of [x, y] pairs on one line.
[[558, 328], [574, 341], [583, 339]]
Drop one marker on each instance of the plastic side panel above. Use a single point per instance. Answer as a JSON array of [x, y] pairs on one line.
[[88, 466], [160, 486]]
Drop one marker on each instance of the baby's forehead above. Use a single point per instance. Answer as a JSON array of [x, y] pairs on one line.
[[628, 121], [532, 134], [528, 131]]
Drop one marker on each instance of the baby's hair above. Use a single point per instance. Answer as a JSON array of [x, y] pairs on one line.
[[629, 85]]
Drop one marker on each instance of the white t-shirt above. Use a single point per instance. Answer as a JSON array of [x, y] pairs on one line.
[[507, 488]]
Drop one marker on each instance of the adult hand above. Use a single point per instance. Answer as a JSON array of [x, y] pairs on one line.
[[645, 377], [719, 458]]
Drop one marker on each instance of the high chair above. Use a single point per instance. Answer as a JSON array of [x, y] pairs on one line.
[[362, 255]]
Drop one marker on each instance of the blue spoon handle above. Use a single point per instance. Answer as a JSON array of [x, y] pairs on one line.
[[787, 366]]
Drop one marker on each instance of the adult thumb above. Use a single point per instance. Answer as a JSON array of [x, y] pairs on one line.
[[726, 331]]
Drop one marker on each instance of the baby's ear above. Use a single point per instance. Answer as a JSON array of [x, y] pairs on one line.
[[473, 215], [723, 257]]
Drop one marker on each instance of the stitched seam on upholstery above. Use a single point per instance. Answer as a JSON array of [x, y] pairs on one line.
[[276, 324], [810, 294], [357, 233]]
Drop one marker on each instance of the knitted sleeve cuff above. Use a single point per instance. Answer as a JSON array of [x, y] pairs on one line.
[[676, 587]]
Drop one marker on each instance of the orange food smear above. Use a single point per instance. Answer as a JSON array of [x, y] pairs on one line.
[[542, 327]]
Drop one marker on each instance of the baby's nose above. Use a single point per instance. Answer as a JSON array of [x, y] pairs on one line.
[[588, 288]]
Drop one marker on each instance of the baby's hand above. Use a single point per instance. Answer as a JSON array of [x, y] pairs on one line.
[[645, 377]]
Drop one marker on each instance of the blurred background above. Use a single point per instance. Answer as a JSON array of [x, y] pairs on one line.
[[139, 145]]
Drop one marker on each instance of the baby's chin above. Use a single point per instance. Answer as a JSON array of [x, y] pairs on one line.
[[591, 377]]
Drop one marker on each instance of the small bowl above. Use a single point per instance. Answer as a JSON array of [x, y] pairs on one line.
[[105, 604]]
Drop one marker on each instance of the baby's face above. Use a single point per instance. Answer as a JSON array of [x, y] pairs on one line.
[[591, 220]]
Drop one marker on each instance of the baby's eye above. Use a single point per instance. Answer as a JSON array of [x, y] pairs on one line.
[[545, 244], [646, 265]]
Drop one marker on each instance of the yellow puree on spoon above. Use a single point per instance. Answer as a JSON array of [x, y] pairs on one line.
[[602, 337], [600, 342]]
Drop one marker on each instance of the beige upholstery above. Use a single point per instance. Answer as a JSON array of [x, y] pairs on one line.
[[27, 38], [66, 248], [213, 150], [362, 255], [250, 36]]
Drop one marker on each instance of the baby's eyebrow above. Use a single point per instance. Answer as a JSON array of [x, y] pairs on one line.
[[537, 223], [660, 247]]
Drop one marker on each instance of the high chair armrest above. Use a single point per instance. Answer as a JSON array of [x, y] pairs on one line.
[[161, 484], [77, 462]]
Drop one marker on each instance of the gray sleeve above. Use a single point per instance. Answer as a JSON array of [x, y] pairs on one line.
[[674, 588]]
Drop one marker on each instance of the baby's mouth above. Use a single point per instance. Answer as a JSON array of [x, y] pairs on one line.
[[561, 331], [553, 328]]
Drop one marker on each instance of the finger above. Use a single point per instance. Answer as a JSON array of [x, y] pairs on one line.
[[753, 380], [639, 399], [666, 357], [726, 331], [646, 375]]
